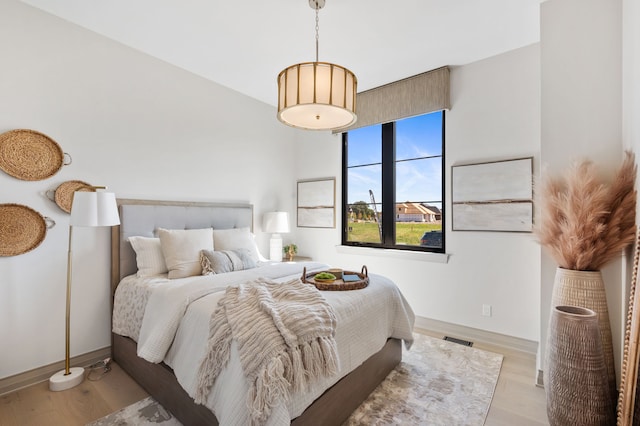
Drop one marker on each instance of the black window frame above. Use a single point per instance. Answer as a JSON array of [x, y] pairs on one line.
[[388, 190]]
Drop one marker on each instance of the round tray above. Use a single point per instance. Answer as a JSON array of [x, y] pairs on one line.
[[21, 229], [338, 284], [63, 194], [30, 155]]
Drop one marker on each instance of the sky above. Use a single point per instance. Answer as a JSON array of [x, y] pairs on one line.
[[416, 180]]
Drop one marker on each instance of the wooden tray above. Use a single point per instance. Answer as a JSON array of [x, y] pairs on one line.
[[339, 284]]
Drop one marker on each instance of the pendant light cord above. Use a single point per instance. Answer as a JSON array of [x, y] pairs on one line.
[[317, 30]]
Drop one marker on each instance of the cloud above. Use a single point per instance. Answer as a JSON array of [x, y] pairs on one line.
[[363, 179], [419, 180]]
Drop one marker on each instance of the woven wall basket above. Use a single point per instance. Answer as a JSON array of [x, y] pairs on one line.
[[21, 229], [63, 194], [30, 155]]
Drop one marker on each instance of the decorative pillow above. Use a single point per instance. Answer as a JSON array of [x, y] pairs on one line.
[[149, 256], [236, 238], [219, 262], [181, 249]]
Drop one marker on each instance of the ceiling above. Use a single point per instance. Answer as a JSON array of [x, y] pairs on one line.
[[245, 44]]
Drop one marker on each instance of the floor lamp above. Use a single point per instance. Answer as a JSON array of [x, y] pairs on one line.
[[87, 209], [275, 223]]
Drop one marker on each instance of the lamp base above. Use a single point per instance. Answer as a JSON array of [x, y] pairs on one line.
[[60, 382], [275, 248]]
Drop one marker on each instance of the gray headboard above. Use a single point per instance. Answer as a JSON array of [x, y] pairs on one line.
[[144, 217]]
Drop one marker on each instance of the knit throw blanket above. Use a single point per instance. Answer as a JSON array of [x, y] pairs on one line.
[[285, 337]]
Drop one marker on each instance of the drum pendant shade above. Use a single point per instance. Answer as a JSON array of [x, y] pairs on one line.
[[317, 95]]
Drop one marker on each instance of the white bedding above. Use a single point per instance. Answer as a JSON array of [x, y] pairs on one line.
[[175, 328]]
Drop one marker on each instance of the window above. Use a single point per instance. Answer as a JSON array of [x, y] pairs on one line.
[[393, 185]]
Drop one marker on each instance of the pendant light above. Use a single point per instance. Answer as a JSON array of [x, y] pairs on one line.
[[317, 95]]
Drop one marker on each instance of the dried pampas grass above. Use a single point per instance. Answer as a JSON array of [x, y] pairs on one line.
[[585, 223]]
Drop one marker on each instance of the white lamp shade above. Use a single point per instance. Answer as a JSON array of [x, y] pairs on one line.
[[275, 222], [94, 209]]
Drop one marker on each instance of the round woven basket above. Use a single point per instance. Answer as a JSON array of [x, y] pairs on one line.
[[63, 196], [30, 155], [21, 229]]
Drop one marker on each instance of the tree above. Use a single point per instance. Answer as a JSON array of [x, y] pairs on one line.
[[361, 210]]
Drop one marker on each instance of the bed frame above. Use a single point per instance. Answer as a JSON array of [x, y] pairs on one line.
[[143, 217]]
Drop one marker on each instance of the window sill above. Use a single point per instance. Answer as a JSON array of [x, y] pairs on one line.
[[400, 254]]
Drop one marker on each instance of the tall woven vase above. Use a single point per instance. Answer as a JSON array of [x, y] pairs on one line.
[[576, 382], [586, 289]]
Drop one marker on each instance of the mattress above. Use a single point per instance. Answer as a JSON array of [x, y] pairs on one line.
[[171, 317]]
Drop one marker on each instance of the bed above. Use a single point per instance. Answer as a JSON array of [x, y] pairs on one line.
[[363, 364]]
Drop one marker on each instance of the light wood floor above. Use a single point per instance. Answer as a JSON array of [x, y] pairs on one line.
[[517, 401]]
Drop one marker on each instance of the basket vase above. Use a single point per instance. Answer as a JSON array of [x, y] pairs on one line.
[[576, 381], [586, 289]]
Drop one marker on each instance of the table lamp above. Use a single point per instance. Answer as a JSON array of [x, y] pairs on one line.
[[275, 223]]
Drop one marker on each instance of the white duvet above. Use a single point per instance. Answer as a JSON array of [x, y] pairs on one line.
[[175, 327]]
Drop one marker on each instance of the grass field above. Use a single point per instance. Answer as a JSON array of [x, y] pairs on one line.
[[406, 233]]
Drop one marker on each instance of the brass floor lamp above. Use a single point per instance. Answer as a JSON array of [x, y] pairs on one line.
[[88, 209]]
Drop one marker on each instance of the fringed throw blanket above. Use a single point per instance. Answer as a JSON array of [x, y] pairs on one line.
[[285, 336]]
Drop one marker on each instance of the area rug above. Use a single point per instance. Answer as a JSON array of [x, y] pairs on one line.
[[437, 383]]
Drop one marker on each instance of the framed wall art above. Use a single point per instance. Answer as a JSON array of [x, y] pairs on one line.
[[493, 196], [317, 203]]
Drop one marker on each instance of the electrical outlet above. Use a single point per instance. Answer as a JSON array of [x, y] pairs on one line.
[[486, 310]]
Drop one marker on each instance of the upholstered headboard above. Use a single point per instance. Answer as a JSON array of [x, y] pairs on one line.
[[144, 217]]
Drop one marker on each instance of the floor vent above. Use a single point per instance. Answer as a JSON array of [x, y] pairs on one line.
[[460, 341]]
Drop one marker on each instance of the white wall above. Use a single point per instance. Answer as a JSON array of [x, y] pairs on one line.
[[630, 107], [495, 114], [140, 126], [630, 72], [581, 59]]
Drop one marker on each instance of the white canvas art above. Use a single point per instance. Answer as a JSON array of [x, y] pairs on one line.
[[515, 217], [501, 180], [495, 196], [316, 203]]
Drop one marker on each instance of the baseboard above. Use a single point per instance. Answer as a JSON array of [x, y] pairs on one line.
[[40, 374], [474, 334]]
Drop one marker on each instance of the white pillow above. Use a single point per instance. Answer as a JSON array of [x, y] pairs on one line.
[[149, 256], [236, 238], [261, 258], [181, 249]]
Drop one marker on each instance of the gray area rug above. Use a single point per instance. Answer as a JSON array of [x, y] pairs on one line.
[[437, 383]]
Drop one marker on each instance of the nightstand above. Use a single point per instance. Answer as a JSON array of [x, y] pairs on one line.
[[297, 259]]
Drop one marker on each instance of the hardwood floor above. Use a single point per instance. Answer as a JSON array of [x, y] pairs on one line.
[[517, 401], [37, 406]]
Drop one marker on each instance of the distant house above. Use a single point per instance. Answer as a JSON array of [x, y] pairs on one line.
[[415, 212], [434, 209]]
